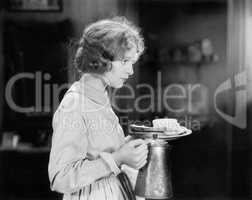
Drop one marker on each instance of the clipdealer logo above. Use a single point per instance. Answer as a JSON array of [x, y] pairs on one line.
[[240, 117], [50, 101]]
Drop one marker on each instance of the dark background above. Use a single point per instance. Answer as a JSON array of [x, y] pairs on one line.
[[212, 163]]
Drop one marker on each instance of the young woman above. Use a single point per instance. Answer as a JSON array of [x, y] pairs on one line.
[[89, 149]]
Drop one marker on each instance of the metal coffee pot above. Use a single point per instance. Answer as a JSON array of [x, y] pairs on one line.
[[154, 179]]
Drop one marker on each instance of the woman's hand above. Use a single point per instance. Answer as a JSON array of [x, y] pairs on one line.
[[133, 153]]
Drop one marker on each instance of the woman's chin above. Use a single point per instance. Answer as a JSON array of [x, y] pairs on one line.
[[118, 84]]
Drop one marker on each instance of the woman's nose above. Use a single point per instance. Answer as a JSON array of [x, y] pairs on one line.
[[130, 70]]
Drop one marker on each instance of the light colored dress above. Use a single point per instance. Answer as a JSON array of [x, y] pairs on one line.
[[85, 133]]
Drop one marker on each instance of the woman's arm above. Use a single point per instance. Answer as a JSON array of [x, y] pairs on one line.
[[69, 168]]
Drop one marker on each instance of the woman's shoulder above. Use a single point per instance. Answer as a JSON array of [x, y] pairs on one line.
[[71, 98], [75, 100]]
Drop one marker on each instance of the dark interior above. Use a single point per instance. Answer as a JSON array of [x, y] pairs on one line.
[[212, 163]]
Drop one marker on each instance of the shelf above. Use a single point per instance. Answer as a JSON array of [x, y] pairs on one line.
[[26, 149]]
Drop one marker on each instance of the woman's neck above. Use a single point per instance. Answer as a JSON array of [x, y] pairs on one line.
[[94, 80]]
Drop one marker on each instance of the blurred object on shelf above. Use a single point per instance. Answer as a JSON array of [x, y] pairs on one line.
[[10, 139], [197, 52], [42, 138], [34, 5], [194, 53], [207, 48], [215, 58], [164, 56], [177, 55]]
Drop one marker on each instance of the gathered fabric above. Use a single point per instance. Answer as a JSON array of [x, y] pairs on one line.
[[105, 189]]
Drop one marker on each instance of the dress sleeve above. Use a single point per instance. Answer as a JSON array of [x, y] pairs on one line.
[[69, 169]]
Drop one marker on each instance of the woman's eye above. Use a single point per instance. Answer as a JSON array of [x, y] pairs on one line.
[[124, 61]]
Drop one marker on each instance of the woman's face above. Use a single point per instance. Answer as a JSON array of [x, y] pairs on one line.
[[121, 69]]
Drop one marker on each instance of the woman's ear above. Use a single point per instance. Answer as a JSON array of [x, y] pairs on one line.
[[110, 65]]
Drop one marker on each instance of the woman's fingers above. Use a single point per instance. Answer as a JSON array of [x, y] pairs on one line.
[[137, 142], [141, 164], [134, 153], [147, 141], [141, 157], [141, 148], [142, 153], [128, 138]]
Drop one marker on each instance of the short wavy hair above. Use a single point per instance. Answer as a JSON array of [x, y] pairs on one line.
[[105, 41]]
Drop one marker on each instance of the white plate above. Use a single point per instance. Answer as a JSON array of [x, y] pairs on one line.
[[162, 135], [180, 131], [174, 136]]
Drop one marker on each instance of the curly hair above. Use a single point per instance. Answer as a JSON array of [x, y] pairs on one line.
[[105, 41]]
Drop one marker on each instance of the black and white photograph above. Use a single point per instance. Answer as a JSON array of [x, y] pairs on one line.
[[125, 100]]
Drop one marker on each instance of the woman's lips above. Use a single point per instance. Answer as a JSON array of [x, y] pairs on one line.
[[124, 79]]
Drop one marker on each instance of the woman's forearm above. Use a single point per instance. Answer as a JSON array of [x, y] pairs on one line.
[[76, 175]]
